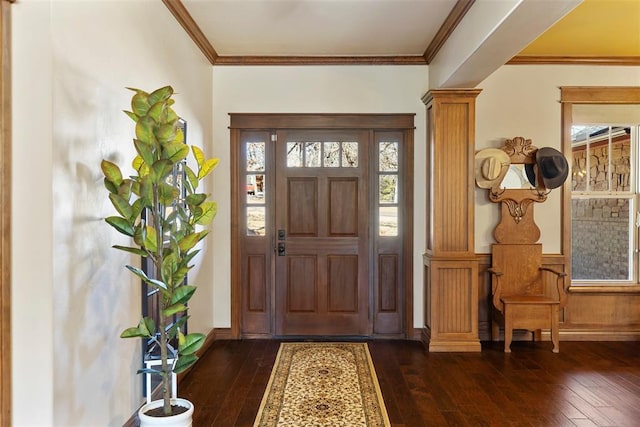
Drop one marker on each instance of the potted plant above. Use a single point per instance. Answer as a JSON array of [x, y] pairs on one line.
[[165, 220]]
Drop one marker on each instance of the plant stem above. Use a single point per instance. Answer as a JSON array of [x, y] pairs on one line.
[[158, 217]]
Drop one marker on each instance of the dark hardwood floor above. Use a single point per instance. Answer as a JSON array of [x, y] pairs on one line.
[[586, 384]]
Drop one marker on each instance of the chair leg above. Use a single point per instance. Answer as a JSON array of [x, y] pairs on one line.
[[537, 335], [508, 336], [495, 331], [555, 333]]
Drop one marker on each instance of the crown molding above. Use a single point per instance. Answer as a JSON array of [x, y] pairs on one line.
[[455, 16], [185, 19], [574, 60], [320, 60]]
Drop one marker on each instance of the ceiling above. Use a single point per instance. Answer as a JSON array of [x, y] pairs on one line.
[[406, 29], [319, 27], [604, 28]]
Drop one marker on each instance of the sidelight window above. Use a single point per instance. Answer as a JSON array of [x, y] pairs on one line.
[[388, 188], [255, 188]]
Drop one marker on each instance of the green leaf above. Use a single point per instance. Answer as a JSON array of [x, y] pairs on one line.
[[191, 344], [169, 265], [190, 240], [176, 151], [146, 190], [140, 103], [144, 130], [132, 116], [160, 170], [183, 294], [179, 139], [174, 309], [125, 189], [137, 208], [165, 133], [207, 167], [192, 178], [196, 199], [167, 193], [184, 362], [135, 251], [209, 211], [110, 186], [121, 224], [141, 274], [171, 115], [122, 206], [140, 166], [145, 151], [132, 333], [160, 95], [156, 110], [150, 241], [175, 328], [112, 172], [198, 154], [149, 324]]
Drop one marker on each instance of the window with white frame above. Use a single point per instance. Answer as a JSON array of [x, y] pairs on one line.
[[604, 203]]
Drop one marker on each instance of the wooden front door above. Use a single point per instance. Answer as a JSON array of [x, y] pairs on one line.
[[322, 225]]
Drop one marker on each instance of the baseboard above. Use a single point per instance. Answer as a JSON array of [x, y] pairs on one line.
[[595, 335], [223, 334]]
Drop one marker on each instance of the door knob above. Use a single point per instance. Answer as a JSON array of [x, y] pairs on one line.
[[281, 249]]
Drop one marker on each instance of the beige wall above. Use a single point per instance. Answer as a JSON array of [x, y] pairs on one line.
[[71, 294], [313, 89], [521, 100]]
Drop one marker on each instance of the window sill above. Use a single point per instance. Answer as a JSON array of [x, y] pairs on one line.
[[604, 289]]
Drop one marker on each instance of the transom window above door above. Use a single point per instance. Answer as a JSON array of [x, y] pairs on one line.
[[327, 154]]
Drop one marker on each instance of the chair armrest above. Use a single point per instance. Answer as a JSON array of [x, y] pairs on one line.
[[496, 289], [494, 272], [562, 292], [556, 272]]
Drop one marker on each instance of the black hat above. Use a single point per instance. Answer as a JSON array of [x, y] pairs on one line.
[[553, 168]]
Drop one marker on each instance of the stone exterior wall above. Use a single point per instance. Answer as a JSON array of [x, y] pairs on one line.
[[598, 163], [600, 239], [600, 227]]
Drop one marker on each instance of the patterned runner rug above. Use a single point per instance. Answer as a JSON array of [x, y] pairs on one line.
[[322, 384]]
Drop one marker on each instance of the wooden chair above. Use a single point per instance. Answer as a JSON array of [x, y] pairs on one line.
[[522, 293]]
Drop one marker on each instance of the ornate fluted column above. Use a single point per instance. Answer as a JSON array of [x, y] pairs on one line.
[[451, 267]]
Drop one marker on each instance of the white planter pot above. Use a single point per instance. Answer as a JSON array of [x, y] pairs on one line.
[[180, 420]]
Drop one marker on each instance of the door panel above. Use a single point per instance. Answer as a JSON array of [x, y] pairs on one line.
[[322, 285]]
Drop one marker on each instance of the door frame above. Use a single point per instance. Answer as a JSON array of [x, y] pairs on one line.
[[5, 216], [271, 122]]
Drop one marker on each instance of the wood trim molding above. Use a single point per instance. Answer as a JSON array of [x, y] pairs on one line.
[[599, 95], [321, 60], [574, 60], [5, 215], [185, 19], [448, 26], [320, 121]]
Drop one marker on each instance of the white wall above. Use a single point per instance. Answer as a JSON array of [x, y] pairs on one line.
[[71, 294], [522, 100], [313, 89]]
